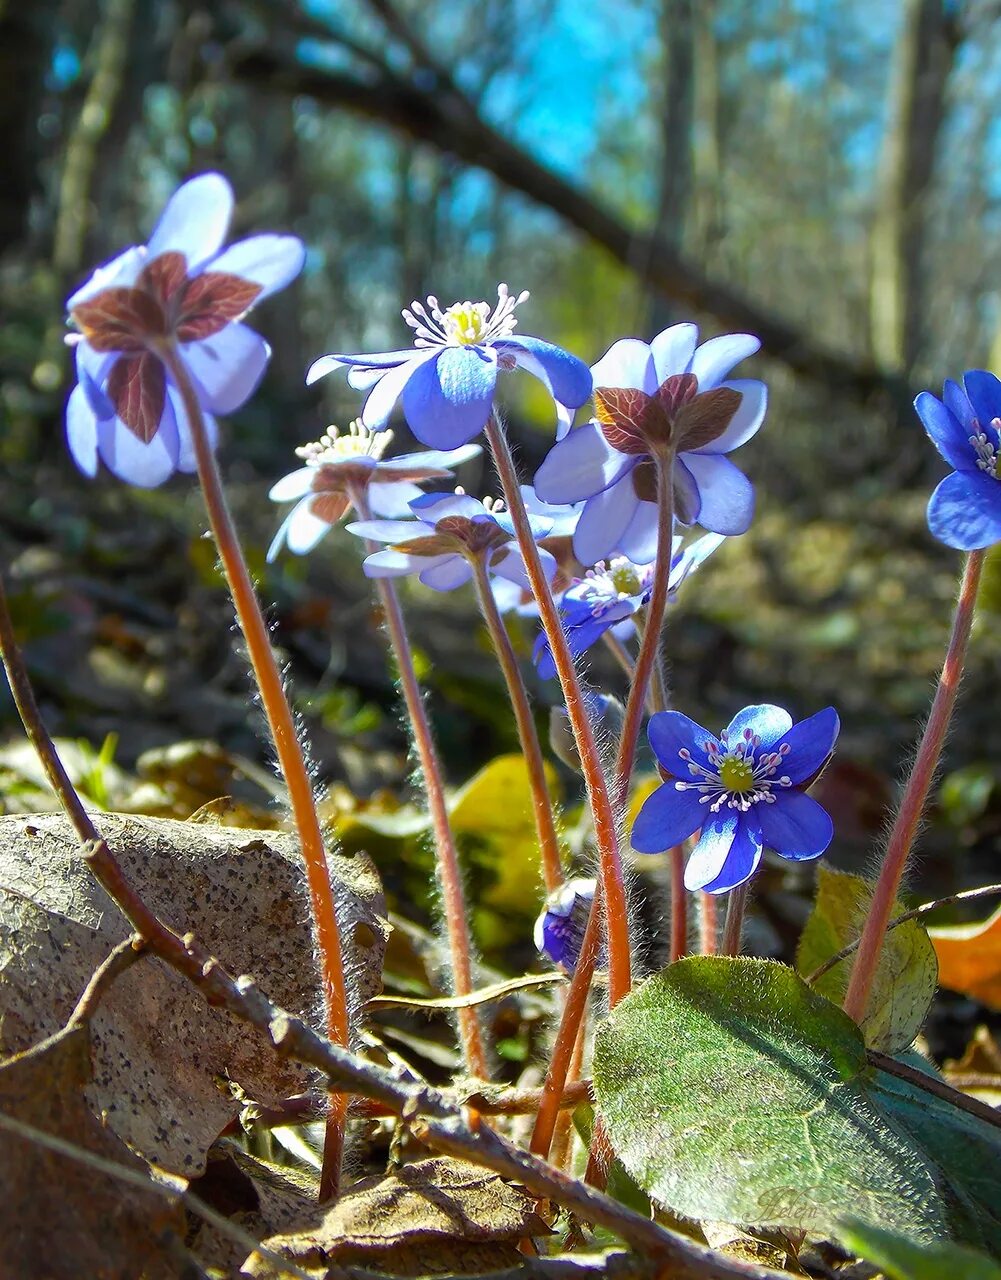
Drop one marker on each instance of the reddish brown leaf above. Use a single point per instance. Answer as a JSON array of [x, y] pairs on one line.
[[119, 319], [211, 301], [705, 418], [676, 391], [329, 506], [645, 481], [165, 276], [630, 420], [137, 388]]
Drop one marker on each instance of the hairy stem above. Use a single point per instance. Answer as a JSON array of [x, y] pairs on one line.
[[446, 854], [708, 923], [679, 903], [912, 802], [291, 759], [733, 928], [545, 822]]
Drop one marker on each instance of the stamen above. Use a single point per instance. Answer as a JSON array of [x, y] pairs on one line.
[[463, 324], [334, 446], [985, 449]]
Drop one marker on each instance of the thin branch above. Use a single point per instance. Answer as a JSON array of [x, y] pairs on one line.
[[485, 995], [922, 1080], [113, 966]]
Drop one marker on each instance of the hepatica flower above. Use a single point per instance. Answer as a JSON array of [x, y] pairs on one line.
[[670, 394], [181, 290], [965, 427], [450, 533], [446, 382], [609, 595], [559, 929], [340, 466], [746, 789]]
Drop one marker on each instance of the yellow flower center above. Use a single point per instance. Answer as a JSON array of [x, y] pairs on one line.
[[466, 322], [736, 775]]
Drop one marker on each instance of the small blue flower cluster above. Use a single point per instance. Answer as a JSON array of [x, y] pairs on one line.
[[592, 512]]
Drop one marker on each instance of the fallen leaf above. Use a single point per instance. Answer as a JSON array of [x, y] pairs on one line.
[[60, 1217], [437, 1216], [167, 1067], [978, 1071], [969, 959]]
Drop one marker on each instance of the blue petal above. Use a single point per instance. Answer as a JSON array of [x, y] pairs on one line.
[[639, 541], [795, 825], [727, 854], [949, 436], [392, 500], [119, 272], [672, 350], [542, 656], [436, 458], [567, 378], [667, 817], [604, 520], [92, 368], [965, 511], [227, 367], [81, 432], [579, 466], [810, 743], [448, 400], [984, 391], [126, 456], [447, 574], [763, 720], [186, 460], [956, 399], [270, 261], [715, 358], [394, 564], [389, 530], [195, 220], [670, 733], [432, 507], [726, 496], [390, 386]]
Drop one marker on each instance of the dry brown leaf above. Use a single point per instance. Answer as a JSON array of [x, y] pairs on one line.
[[437, 1216], [59, 1218], [978, 1071], [164, 1060], [969, 959]]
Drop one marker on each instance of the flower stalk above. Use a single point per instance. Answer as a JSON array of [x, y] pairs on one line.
[[545, 822], [915, 795], [733, 928], [289, 751], [446, 853]]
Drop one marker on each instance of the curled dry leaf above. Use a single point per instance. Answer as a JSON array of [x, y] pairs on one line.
[[59, 1217], [437, 1216], [163, 1060]]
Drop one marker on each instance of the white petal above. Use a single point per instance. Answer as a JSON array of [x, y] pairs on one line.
[[626, 363]]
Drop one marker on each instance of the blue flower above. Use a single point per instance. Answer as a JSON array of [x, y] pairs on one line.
[[558, 542], [182, 288], [608, 596], [965, 427], [647, 396], [559, 929], [733, 789], [451, 532], [446, 383], [339, 467]]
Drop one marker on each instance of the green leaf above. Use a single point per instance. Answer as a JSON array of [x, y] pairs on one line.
[[902, 1259], [733, 1092], [904, 985]]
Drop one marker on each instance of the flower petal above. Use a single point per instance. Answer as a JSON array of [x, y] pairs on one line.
[[383, 397], [670, 733], [566, 378], [448, 400], [810, 743], [394, 564], [948, 434], [438, 459], [433, 507], [292, 486], [270, 261], [672, 350], [604, 520], [795, 825], [726, 496], [667, 817], [227, 366], [693, 556], [301, 531], [984, 391], [126, 456], [626, 363], [186, 460], [120, 272], [639, 541], [81, 432], [195, 220], [392, 500], [769, 723], [389, 530], [746, 421], [965, 511], [579, 466], [715, 358], [447, 574], [727, 854]]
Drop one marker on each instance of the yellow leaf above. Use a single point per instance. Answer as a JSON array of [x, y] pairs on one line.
[[969, 959]]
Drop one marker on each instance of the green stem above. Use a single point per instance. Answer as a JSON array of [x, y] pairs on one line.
[[288, 749], [912, 802]]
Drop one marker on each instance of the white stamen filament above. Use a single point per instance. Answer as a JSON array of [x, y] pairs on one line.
[[716, 794], [985, 449], [463, 324], [335, 446]]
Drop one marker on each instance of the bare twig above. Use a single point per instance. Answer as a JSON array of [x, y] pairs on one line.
[[915, 913], [930, 1084], [121, 958]]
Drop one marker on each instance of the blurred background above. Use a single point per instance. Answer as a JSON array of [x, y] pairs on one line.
[[823, 176]]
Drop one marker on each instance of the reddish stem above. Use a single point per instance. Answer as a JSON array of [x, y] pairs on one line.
[[679, 903], [708, 923], [912, 802], [289, 751], [733, 927], [447, 856], [545, 823]]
